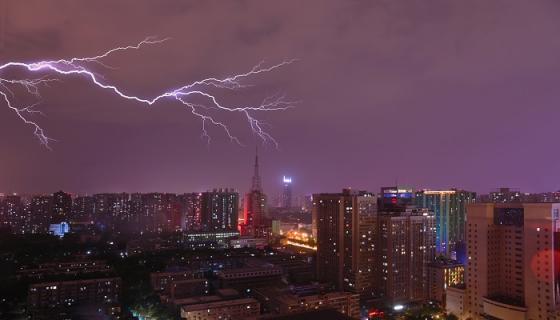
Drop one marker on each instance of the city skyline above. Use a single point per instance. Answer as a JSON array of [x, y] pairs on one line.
[[439, 96], [252, 160], [275, 189]]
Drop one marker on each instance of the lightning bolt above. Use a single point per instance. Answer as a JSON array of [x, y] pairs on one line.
[[183, 94]]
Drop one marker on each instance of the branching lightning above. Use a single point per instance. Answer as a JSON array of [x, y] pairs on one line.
[[183, 94]]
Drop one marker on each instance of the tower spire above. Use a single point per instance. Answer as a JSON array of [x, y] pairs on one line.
[[256, 176]]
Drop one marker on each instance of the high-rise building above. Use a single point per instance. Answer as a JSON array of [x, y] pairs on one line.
[[286, 201], [62, 206], [255, 206], [83, 208], [345, 240], [152, 206], [169, 218], [192, 205], [547, 197], [219, 210], [395, 197], [40, 211], [102, 205], [307, 204], [450, 209], [513, 261], [508, 195], [504, 195], [12, 213], [363, 246], [405, 248], [111, 211], [135, 206]]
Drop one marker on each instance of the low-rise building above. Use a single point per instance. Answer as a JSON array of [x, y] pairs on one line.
[[242, 309], [248, 242], [182, 289], [72, 268], [250, 277], [209, 239], [162, 282], [68, 293], [285, 302], [442, 274]]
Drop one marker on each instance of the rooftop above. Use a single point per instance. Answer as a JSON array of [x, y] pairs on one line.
[[217, 304]]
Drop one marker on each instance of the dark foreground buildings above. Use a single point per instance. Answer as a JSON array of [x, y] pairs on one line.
[[394, 252]]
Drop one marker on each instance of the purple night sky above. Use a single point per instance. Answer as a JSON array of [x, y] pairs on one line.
[[429, 93]]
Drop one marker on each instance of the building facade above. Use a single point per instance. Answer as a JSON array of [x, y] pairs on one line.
[[12, 214], [345, 303], [287, 193], [450, 209], [61, 206], [64, 294], [442, 274], [513, 262], [405, 247], [395, 197], [219, 211], [245, 308], [345, 240]]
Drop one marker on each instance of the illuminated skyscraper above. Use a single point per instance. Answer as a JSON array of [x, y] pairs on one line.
[[12, 213], [83, 207], [219, 210], [345, 240], [41, 213], [111, 210], [62, 206], [405, 247], [286, 192], [192, 203], [170, 219], [395, 197], [160, 212], [450, 210]]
